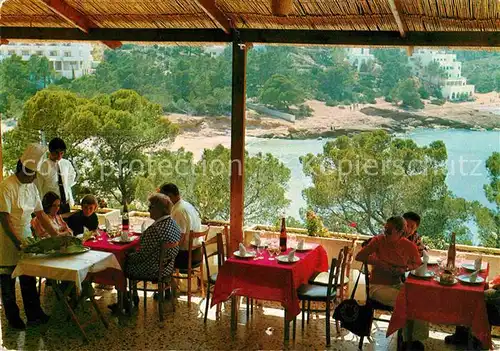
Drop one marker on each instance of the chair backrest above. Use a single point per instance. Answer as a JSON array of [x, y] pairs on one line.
[[342, 263], [163, 252], [225, 238], [191, 247], [217, 241], [333, 276]]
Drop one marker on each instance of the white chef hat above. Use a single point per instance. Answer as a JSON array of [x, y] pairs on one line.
[[32, 156]]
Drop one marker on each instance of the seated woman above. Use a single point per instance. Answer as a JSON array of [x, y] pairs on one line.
[[51, 203], [144, 264], [86, 217], [391, 255]]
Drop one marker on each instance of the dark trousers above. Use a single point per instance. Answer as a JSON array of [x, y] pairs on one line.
[[182, 258], [29, 292]]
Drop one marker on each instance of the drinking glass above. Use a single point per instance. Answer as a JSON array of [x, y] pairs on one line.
[[292, 241]]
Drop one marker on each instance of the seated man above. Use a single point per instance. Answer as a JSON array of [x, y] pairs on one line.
[[412, 223], [144, 264], [187, 218], [391, 255], [492, 298], [86, 217]]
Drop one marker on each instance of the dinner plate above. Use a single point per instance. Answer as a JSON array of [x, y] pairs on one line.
[[465, 278], [284, 259], [470, 267], [427, 275], [306, 247], [262, 244], [438, 279], [249, 254], [118, 240]]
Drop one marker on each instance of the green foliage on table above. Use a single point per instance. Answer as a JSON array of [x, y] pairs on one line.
[[372, 176], [488, 219], [56, 244]]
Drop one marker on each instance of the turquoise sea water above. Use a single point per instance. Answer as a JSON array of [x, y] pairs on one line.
[[467, 154]]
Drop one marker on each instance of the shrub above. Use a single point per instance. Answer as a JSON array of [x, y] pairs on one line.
[[438, 102], [332, 103]]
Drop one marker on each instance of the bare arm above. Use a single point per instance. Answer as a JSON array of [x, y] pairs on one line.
[[6, 224], [45, 222]]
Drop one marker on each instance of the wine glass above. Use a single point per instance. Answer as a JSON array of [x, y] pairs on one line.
[[292, 241]]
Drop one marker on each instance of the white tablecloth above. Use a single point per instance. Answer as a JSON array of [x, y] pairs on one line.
[[71, 268]]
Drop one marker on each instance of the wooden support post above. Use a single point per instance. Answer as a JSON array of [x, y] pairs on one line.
[[1, 155], [238, 144]]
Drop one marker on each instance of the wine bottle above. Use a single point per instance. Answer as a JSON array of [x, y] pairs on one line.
[[452, 252], [125, 219], [283, 235]]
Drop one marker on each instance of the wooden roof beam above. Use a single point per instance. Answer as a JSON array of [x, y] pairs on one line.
[[396, 12], [219, 17], [76, 18]]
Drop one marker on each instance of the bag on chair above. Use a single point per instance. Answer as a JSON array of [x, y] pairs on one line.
[[355, 317]]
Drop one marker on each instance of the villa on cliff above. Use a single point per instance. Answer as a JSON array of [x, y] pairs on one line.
[[453, 85]]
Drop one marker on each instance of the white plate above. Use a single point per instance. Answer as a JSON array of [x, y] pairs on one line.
[[284, 259], [118, 240], [438, 279], [427, 275], [262, 244], [249, 254], [305, 248], [470, 267], [465, 278]]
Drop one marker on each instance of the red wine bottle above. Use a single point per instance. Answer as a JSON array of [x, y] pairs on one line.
[[283, 235]]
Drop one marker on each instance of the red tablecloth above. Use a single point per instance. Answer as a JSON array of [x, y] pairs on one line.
[[269, 280], [429, 301], [112, 276]]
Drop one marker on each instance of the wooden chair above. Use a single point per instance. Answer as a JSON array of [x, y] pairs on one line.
[[194, 269], [319, 293], [163, 282], [378, 306], [212, 278]]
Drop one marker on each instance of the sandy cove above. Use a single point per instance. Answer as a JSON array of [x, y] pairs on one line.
[[198, 133]]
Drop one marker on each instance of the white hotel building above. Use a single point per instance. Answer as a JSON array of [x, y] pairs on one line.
[[359, 56], [68, 60], [454, 85]]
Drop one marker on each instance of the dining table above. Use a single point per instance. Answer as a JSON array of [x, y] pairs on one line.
[[457, 304], [266, 278], [74, 268]]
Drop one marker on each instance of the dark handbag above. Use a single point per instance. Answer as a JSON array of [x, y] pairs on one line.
[[353, 316]]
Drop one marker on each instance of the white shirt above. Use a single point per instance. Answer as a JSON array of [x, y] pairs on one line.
[[46, 179], [19, 201], [187, 218]]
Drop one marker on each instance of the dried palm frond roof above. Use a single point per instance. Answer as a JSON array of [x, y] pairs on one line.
[[334, 15]]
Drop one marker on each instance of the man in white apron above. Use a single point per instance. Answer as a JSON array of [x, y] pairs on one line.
[[19, 198]]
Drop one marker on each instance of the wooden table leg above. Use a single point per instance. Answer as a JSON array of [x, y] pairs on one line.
[[234, 315], [287, 327], [62, 297]]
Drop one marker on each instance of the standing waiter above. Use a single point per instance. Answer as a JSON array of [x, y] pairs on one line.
[[57, 174], [19, 198]]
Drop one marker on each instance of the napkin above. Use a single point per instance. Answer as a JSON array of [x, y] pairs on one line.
[[300, 244], [420, 271], [144, 226], [291, 256], [478, 262], [473, 276], [243, 250], [109, 227], [256, 238], [425, 257]]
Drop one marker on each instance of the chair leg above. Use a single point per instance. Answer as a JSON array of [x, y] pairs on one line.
[[251, 306], [308, 310], [161, 296], [173, 288], [361, 339], [189, 275], [303, 313], [202, 283], [399, 341], [144, 288], [207, 301], [327, 323], [39, 286]]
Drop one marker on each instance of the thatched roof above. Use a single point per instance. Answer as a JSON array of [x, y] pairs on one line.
[[338, 15]]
